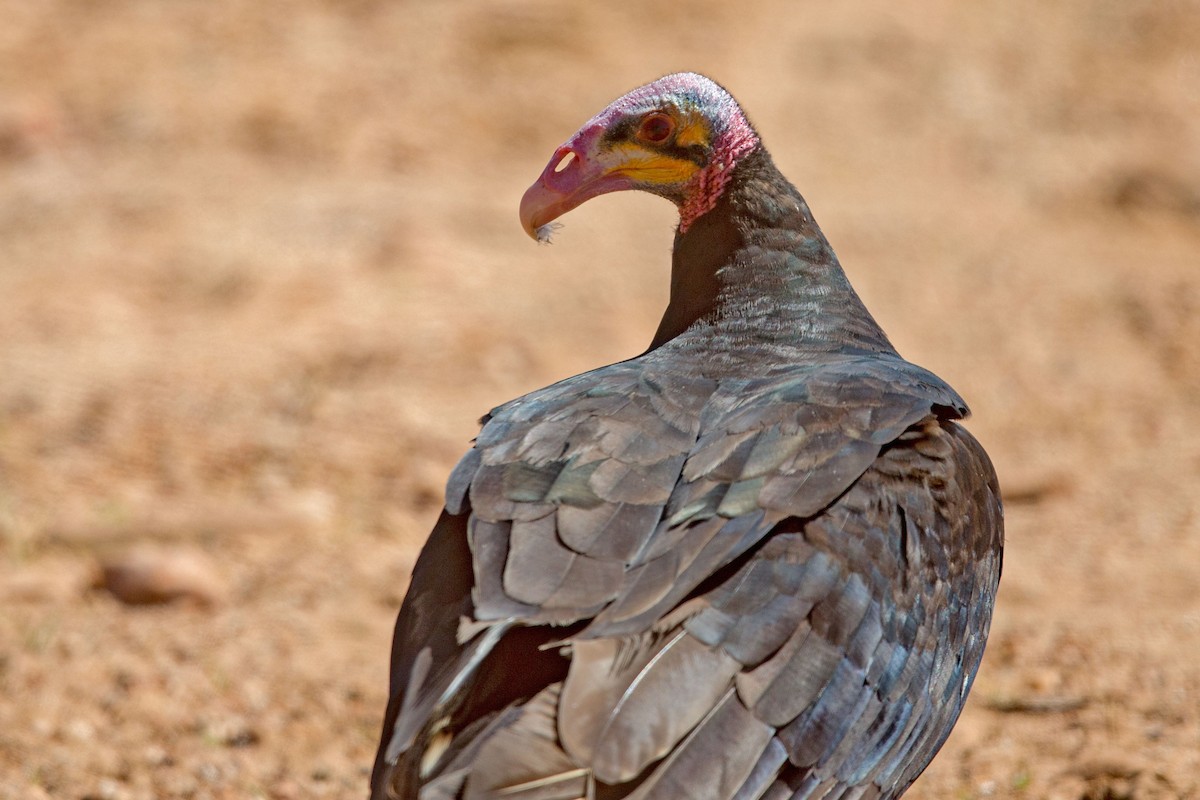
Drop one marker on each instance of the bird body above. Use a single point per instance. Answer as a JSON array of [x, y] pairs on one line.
[[757, 561]]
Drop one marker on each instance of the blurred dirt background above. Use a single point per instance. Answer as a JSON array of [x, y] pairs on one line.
[[261, 271]]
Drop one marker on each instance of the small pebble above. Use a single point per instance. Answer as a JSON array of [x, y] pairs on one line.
[[153, 576], [231, 732], [155, 756], [80, 730], [110, 789]]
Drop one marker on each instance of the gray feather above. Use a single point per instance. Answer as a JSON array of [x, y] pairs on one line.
[[716, 759], [618, 720], [521, 758]]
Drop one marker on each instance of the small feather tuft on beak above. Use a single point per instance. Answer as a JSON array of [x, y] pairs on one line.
[[546, 231]]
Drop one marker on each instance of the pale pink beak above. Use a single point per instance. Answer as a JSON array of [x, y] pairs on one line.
[[573, 176]]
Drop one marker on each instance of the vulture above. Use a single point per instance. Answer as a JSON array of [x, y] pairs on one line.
[[758, 560]]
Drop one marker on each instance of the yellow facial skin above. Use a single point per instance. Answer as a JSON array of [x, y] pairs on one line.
[[692, 132], [654, 168], [645, 162]]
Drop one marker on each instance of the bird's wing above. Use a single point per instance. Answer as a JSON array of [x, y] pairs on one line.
[[613, 494], [595, 455], [858, 631], [609, 499], [567, 487]]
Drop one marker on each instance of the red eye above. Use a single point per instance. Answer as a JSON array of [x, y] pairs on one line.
[[656, 127]]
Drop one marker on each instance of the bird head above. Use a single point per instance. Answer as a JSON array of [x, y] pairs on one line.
[[677, 138]]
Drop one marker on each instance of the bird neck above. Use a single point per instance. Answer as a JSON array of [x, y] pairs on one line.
[[756, 271]]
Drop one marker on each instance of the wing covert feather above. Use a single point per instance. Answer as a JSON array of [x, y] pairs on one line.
[[621, 710]]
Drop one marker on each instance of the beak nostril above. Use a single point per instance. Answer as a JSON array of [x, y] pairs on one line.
[[565, 162]]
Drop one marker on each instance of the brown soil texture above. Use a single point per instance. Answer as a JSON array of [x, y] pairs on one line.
[[261, 271]]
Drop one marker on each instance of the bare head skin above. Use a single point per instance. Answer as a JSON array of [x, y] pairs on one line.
[[676, 138]]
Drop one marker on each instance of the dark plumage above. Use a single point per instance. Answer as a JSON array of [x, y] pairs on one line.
[[757, 561]]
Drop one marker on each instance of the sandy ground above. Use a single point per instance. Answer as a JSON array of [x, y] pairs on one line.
[[260, 271]]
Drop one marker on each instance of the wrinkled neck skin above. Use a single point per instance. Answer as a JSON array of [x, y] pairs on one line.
[[756, 277]]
